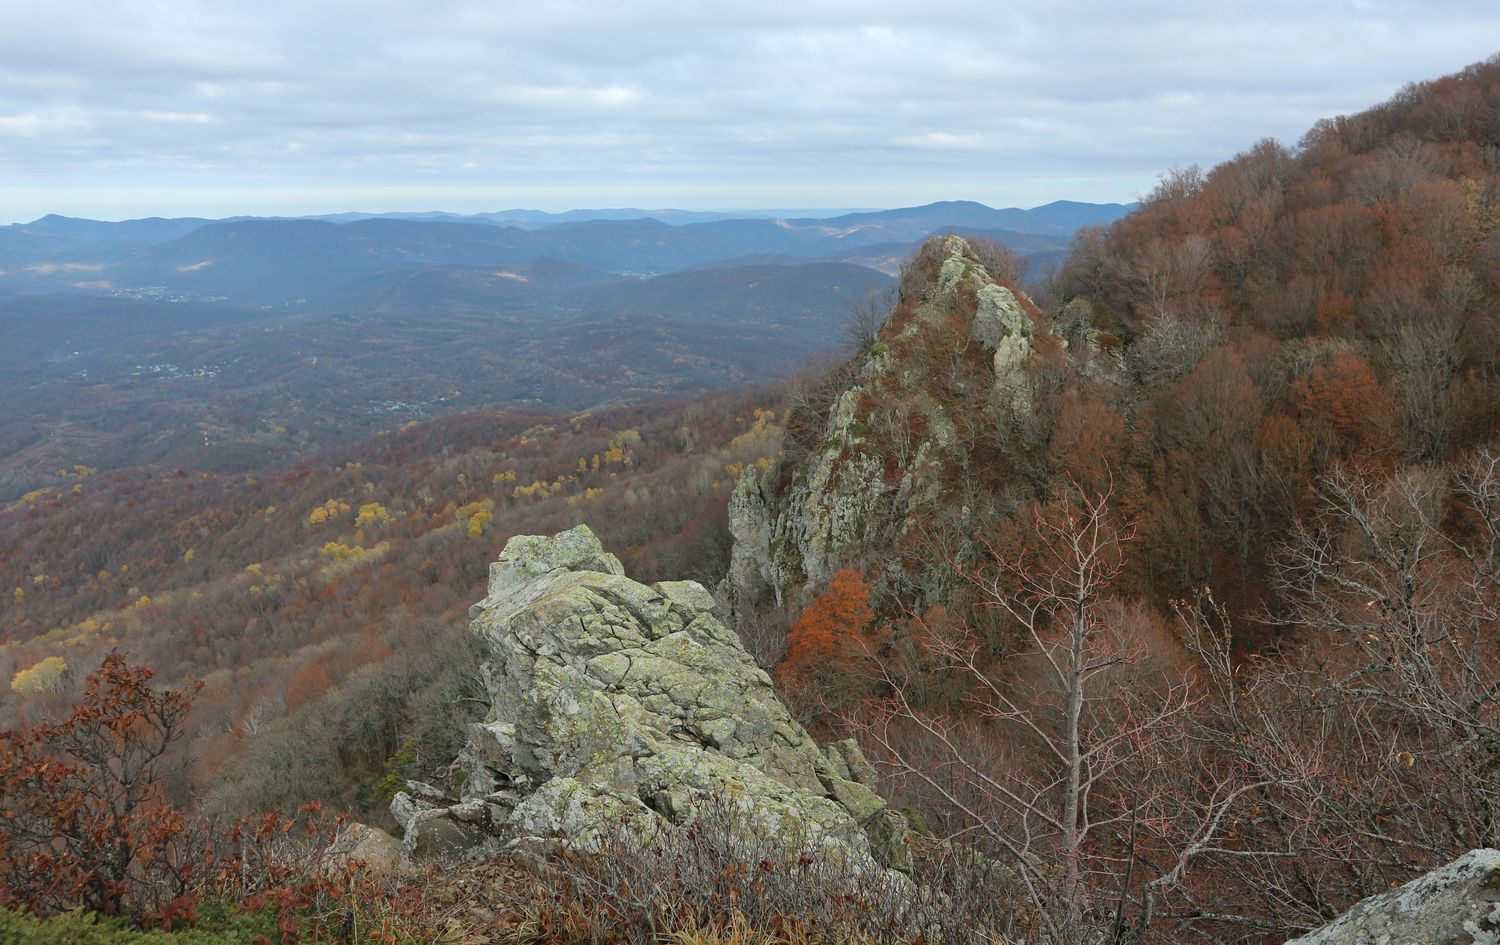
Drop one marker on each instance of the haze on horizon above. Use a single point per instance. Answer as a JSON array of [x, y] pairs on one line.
[[139, 108]]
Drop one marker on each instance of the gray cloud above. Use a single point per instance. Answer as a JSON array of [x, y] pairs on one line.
[[121, 107]]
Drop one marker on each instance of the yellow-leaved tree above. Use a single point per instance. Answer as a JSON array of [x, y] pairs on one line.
[[371, 513], [44, 676]]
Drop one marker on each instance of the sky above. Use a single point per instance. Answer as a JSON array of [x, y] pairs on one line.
[[112, 109]]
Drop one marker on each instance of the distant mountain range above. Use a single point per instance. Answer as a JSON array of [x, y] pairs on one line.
[[262, 260], [1059, 217], [235, 343]]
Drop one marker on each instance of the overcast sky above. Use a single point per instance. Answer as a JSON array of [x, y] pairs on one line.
[[122, 108]]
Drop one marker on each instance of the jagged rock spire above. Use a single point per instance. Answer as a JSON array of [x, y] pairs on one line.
[[860, 488]]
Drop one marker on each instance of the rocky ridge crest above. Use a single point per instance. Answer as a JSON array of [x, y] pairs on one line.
[[892, 437], [617, 706]]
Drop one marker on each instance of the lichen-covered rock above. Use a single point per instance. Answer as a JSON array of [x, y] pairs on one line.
[[617, 706], [1457, 904], [752, 579], [1098, 354], [441, 832], [849, 761], [1001, 326]]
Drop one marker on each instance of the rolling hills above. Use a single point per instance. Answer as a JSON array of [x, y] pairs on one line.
[[273, 260], [233, 343]]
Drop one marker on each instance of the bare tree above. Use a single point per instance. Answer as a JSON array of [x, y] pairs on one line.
[[1170, 347], [1418, 328], [1371, 741], [1410, 612], [1165, 276], [866, 314], [1000, 260], [1055, 760], [1142, 782]]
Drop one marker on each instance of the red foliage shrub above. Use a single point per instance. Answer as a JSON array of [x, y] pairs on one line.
[[1345, 394], [308, 684], [83, 822]]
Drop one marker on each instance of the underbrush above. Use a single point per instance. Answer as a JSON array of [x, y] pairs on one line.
[[702, 886], [232, 927], [717, 883], [91, 853]]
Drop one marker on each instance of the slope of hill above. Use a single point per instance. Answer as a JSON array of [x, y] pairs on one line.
[[55, 235], [791, 296], [280, 259], [1288, 315], [331, 588], [1249, 455], [1058, 219], [450, 288], [1342, 297]]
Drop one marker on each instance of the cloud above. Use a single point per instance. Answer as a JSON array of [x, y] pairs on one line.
[[112, 107]]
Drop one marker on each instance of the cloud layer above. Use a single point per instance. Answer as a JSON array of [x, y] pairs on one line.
[[114, 108]]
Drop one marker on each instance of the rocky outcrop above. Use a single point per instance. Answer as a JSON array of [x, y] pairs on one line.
[[616, 706], [889, 443], [1099, 355], [1458, 904], [371, 846]]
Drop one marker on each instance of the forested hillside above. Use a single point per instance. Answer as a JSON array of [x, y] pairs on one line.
[[1247, 332], [324, 604], [1216, 518], [1297, 310]]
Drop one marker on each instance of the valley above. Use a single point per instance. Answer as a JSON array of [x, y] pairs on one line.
[[285, 337]]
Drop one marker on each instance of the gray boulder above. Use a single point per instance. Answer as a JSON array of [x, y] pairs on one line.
[[371, 846], [617, 706], [1457, 904]]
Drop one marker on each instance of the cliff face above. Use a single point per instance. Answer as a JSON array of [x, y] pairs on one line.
[[618, 706], [950, 373]]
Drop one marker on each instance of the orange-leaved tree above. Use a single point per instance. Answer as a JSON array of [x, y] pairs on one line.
[[829, 625]]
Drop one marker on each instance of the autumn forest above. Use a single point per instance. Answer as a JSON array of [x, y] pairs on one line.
[[1182, 625]]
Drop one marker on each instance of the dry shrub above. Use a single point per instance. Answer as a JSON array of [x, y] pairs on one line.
[[85, 825], [716, 882]]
